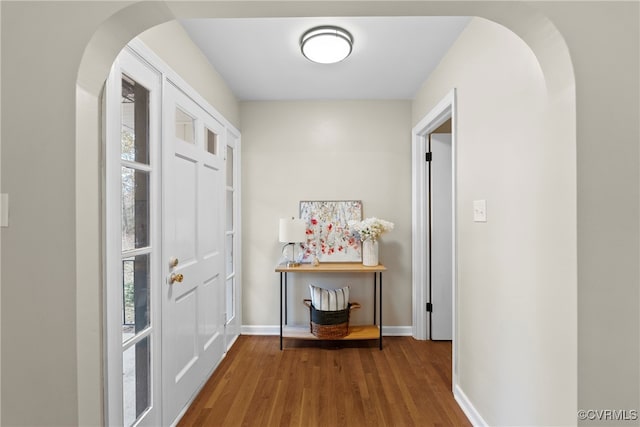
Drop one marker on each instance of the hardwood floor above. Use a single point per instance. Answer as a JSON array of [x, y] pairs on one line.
[[328, 383]]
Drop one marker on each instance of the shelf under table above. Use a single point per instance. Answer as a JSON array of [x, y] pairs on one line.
[[357, 332]]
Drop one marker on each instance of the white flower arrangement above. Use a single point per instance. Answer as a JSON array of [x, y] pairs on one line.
[[370, 228]]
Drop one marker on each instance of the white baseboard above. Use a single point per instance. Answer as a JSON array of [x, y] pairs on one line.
[[467, 407], [396, 331], [387, 331], [260, 330]]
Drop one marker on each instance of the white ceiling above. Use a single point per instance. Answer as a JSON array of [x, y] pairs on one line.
[[260, 58]]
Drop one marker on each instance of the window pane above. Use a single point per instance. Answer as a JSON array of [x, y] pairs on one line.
[[136, 381], [135, 209], [212, 142], [136, 295], [229, 213], [229, 166], [135, 122], [231, 297], [229, 254], [185, 125]]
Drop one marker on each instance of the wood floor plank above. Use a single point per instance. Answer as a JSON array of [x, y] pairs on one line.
[[329, 383]]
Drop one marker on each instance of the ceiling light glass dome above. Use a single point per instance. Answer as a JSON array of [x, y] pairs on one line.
[[326, 45]]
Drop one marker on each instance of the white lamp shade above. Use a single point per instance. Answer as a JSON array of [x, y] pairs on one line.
[[292, 230]]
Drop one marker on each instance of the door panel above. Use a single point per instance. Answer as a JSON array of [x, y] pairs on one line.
[[193, 214], [210, 324], [184, 209], [210, 204], [184, 334], [441, 237]]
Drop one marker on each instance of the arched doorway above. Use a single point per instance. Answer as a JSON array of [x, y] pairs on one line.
[[90, 81]]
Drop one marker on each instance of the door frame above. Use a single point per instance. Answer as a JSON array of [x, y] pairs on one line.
[[443, 111], [231, 331]]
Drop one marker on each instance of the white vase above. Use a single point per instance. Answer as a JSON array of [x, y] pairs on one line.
[[370, 252]]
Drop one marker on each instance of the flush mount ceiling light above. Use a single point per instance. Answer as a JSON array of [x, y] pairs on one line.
[[326, 45]]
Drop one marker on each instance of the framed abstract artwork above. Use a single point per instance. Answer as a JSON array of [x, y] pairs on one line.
[[328, 235]]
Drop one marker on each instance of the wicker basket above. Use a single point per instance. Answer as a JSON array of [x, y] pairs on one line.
[[329, 324]]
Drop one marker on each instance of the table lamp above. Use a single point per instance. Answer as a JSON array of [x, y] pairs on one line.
[[292, 231]]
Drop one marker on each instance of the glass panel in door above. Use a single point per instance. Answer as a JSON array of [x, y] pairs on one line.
[[136, 377], [136, 250], [134, 122], [230, 292], [135, 291], [212, 142], [185, 126], [135, 208]]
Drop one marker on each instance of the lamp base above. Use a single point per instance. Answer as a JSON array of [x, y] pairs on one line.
[[289, 259]]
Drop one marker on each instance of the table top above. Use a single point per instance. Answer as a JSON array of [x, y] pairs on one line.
[[331, 267]]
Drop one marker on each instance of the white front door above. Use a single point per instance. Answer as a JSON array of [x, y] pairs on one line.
[[441, 232], [193, 235]]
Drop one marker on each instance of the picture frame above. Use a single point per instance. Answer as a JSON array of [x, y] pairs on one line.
[[328, 235]]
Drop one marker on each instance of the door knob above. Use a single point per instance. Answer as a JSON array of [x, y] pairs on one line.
[[175, 278]]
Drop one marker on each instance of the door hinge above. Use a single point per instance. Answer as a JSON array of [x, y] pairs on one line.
[[429, 307], [428, 156]]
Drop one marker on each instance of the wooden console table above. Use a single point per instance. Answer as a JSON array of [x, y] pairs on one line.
[[365, 332]]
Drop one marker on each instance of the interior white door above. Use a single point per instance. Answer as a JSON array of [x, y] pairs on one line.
[[193, 207], [441, 231]]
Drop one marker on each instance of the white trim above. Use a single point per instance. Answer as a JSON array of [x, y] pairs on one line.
[[467, 407], [397, 331], [260, 330], [419, 247], [387, 331], [112, 368], [445, 109]]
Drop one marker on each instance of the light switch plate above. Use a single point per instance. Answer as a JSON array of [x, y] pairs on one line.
[[480, 211], [4, 210]]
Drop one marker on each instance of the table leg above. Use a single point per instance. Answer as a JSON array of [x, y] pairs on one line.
[[286, 311], [380, 299], [375, 287], [281, 285]]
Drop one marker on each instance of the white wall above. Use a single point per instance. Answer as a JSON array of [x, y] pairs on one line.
[[517, 349], [0, 233], [605, 47], [325, 150]]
